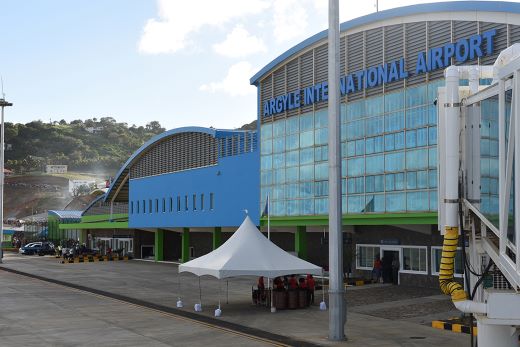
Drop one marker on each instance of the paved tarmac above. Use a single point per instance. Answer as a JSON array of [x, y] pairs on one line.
[[378, 315]]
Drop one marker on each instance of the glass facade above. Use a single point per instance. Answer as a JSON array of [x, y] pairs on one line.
[[388, 151]]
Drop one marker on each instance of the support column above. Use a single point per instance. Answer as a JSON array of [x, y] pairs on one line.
[[159, 245], [300, 241], [185, 245], [217, 237]]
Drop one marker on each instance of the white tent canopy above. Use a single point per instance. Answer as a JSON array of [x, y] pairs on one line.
[[249, 253]]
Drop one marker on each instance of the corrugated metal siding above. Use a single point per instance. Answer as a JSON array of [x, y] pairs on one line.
[[439, 33], [306, 75], [415, 41], [321, 68], [500, 41], [374, 49], [176, 153], [293, 77], [355, 58], [394, 49], [266, 93], [463, 30], [101, 208], [514, 34]]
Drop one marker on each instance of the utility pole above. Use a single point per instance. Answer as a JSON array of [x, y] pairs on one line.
[[337, 306], [3, 104]]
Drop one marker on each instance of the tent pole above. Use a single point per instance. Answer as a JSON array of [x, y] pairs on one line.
[[273, 309], [200, 293]]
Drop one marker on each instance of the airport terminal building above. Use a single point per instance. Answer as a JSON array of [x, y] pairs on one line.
[[392, 63], [183, 192]]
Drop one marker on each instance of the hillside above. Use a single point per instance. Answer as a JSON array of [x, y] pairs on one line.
[[92, 146]]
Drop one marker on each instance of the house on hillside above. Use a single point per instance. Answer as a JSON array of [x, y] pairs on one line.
[[56, 169]]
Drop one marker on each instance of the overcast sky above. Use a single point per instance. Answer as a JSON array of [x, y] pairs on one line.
[[178, 62]]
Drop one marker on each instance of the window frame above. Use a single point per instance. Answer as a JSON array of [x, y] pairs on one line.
[[414, 271], [433, 262]]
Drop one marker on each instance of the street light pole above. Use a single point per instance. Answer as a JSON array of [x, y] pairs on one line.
[[3, 104], [337, 306]]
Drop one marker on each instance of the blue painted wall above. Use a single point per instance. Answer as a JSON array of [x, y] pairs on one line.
[[234, 182]]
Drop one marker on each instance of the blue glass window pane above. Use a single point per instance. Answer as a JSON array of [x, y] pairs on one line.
[[292, 174], [321, 118], [307, 156], [389, 182], [399, 140], [279, 176], [411, 138], [378, 144], [321, 171], [416, 96], [307, 206], [307, 139], [278, 160], [375, 203], [375, 164], [369, 143], [394, 121], [370, 185], [293, 207], [351, 148], [292, 125], [389, 142], [292, 191], [266, 131], [321, 153], [343, 149], [355, 110], [306, 189], [292, 142], [433, 200], [343, 112], [375, 126], [343, 186], [360, 147], [356, 129], [417, 201], [279, 144], [355, 203], [266, 177], [432, 178], [399, 181], [321, 206], [411, 180], [278, 192], [416, 117], [278, 208], [306, 122], [432, 161], [422, 137], [266, 162], [321, 188], [343, 203], [343, 167], [267, 147], [279, 128], [422, 179], [321, 136], [432, 135], [356, 167], [291, 158], [394, 101], [379, 184], [374, 105], [306, 172], [395, 202], [417, 159], [432, 89], [394, 161], [343, 132], [432, 115]]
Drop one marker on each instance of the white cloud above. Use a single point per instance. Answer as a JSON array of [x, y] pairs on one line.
[[170, 32], [239, 43], [289, 19], [236, 82]]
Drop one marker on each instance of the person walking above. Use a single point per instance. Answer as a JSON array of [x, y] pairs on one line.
[[395, 270], [376, 270]]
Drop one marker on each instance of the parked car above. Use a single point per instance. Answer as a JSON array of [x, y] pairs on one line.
[[40, 248]]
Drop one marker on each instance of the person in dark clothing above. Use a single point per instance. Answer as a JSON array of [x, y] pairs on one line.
[[387, 269], [395, 270]]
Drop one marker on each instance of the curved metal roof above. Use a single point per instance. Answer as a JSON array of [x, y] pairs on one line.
[[66, 214], [452, 6], [120, 176]]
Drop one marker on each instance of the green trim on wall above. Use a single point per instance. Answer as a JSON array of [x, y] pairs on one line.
[[355, 219], [159, 245], [185, 245], [104, 217], [300, 241], [217, 237], [99, 225]]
